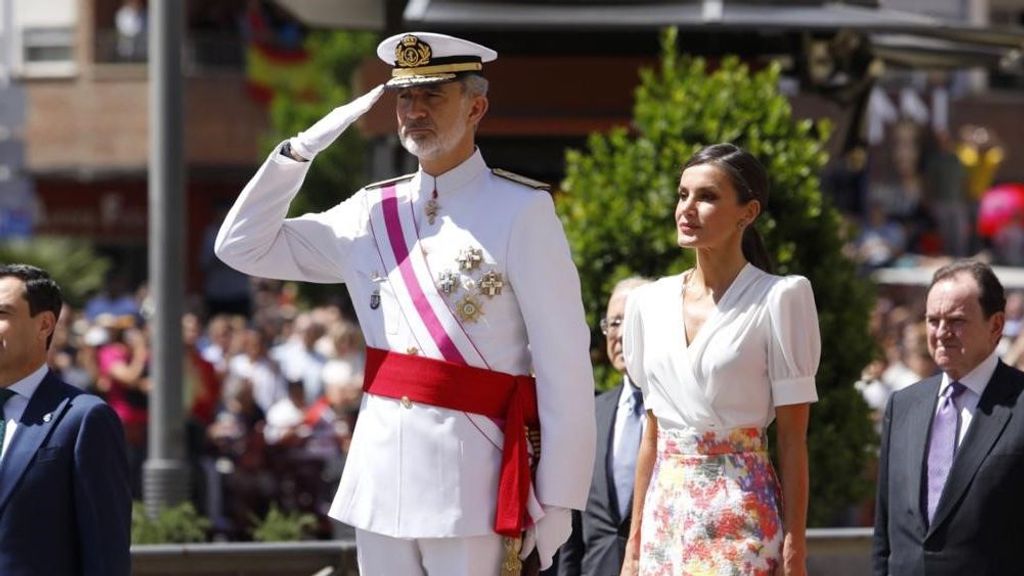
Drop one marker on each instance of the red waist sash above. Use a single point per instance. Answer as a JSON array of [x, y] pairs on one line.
[[469, 389]]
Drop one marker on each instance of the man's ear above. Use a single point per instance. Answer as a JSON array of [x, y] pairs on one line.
[[47, 324], [478, 109], [996, 324]]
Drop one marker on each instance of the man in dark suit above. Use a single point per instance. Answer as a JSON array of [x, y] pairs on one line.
[[950, 488], [65, 502], [599, 533]]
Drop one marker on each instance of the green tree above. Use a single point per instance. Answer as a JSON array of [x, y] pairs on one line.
[[620, 195], [338, 170], [73, 264]]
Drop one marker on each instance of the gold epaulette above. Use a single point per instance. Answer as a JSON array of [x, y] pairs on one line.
[[394, 180], [529, 182]]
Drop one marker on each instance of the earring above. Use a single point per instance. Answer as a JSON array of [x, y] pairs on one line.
[[740, 224]]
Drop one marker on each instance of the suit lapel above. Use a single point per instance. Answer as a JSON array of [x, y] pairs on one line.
[[919, 424], [605, 430], [987, 425], [44, 410]]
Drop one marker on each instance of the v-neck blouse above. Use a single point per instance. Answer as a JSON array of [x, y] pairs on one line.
[[758, 349]]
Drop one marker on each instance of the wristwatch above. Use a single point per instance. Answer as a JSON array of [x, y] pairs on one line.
[[286, 150]]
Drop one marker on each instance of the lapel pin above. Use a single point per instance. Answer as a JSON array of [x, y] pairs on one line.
[[375, 300], [48, 416]]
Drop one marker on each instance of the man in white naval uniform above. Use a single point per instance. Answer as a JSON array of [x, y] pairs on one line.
[[455, 263]]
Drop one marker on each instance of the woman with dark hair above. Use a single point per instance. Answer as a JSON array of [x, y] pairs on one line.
[[720, 351]]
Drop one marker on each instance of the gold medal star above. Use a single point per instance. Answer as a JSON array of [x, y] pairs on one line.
[[468, 308]]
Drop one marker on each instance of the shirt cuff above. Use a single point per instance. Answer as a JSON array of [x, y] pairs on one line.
[[794, 391]]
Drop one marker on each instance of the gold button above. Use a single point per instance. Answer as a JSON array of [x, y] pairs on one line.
[[412, 351], [406, 402]]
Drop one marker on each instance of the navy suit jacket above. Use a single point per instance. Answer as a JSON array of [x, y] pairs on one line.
[[598, 542], [65, 500], [978, 529]]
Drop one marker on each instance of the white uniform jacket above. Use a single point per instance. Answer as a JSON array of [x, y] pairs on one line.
[[418, 471]]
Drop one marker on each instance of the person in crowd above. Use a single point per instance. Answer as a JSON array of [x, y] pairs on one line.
[[130, 22], [298, 358], [720, 351], [880, 241], [65, 497], [946, 190], [331, 420], [255, 365], [215, 348], [285, 425], [123, 380], [598, 541], [952, 452], [462, 279], [116, 299], [915, 362], [239, 482]]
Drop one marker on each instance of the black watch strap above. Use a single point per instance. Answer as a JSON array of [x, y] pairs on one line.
[[286, 150]]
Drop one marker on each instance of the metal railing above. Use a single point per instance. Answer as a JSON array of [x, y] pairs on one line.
[[204, 51]]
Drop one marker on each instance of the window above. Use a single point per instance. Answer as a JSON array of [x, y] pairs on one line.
[[48, 51]]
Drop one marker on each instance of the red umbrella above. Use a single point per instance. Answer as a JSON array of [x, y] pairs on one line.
[[999, 206]]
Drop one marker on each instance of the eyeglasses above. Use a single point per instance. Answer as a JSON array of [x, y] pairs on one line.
[[609, 324]]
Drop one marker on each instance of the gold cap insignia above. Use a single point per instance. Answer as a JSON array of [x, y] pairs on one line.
[[412, 52]]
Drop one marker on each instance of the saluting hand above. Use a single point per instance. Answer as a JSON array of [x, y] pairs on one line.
[[313, 140]]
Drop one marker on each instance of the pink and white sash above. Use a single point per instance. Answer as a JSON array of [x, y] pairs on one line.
[[437, 331]]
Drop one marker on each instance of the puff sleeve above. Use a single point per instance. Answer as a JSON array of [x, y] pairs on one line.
[[794, 348], [633, 340]]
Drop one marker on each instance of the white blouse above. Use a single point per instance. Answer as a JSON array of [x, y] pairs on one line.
[[758, 349]]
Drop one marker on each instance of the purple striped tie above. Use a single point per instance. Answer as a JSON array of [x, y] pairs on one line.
[[942, 444]]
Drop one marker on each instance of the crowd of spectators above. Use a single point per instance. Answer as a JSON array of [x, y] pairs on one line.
[[919, 196], [271, 397]]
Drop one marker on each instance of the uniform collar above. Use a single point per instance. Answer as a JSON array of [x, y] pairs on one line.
[[453, 180], [976, 380], [27, 386]]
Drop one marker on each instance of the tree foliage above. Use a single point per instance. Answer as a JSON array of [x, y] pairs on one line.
[[338, 170], [620, 195], [77, 269], [179, 524], [280, 526]]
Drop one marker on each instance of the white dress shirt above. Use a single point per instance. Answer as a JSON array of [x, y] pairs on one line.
[[15, 406], [626, 435], [976, 381]]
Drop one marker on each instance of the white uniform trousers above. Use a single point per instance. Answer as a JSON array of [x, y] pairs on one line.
[[381, 555]]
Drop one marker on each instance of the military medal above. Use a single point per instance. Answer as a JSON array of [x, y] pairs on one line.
[[492, 283], [448, 281], [375, 299], [432, 208], [470, 258], [468, 309]]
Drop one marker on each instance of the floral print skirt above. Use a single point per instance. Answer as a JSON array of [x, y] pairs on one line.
[[713, 506]]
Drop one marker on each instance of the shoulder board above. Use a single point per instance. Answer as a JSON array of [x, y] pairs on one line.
[[528, 182], [394, 180]]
